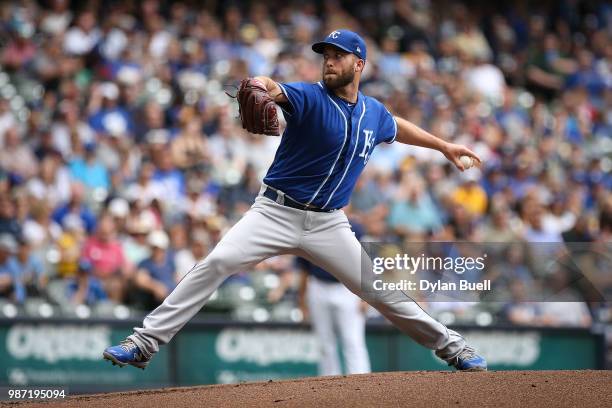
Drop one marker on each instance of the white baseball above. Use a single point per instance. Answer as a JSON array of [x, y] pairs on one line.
[[467, 162]]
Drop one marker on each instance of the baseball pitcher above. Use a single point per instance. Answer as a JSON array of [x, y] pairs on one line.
[[331, 131]]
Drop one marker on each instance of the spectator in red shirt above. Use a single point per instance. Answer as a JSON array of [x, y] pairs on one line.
[[105, 253], [20, 50]]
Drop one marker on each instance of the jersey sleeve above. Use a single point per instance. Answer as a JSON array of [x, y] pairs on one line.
[[387, 126], [300, 97]]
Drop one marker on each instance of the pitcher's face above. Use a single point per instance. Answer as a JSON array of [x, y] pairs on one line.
[[339, 67]]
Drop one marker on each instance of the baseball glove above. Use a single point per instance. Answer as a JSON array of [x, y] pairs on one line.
[[257, 109]]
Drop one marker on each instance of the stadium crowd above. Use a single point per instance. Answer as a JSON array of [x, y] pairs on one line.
[[123, 162]]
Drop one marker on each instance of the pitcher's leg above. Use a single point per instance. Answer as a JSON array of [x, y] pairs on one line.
[[333, 246], [187, 298], [264, 231]]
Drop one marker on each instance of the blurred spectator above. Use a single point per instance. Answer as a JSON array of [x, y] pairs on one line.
[[40, 229], [186, 258], [471, 195], [587, 75], [70, 244], [237, 198], [107, 259], [10, 283], [138, 225], [76, 207], [485, 79], [227, 149], [500, 228], [169, 179], [143, 189], [57, 19], [20, 49], [52, 184], [8, 221], [469, 39], [8, 119], [89, 171], [559, 218], [4, 183], [119, 209], [368, 206], [107, 117], [156, 276], [535, 229], [522, 310], [391, 63], [511, 269], [413, 210], [581, 231], [68, 130], [149, 120], [189, 148], [178, 234], [84, 288], [17, 157], [32, 274], [83, 36], [197, 204], [547, 63], [559, 307]]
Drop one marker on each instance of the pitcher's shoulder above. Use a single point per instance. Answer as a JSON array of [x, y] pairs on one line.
[[373, 102], [373, 105]]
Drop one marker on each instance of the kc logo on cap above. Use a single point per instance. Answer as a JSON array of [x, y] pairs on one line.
[[346, 40]]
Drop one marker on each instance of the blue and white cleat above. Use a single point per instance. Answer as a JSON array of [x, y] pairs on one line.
[[127, 352], [468, 360]]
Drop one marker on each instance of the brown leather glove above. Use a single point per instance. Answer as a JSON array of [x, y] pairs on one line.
[[257, 109]]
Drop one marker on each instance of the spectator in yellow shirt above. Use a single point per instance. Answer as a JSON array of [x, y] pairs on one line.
[[69, 245], [471, 195]]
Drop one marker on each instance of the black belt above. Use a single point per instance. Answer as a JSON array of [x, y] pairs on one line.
[[288, 202]]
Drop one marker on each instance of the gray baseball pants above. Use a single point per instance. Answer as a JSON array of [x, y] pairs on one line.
[[269, 229]]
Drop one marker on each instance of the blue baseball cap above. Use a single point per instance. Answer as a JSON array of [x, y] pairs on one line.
[[344, 39]]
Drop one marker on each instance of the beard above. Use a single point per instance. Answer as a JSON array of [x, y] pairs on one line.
[[339, 80]]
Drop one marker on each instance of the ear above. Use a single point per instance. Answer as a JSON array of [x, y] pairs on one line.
[[359, 65]]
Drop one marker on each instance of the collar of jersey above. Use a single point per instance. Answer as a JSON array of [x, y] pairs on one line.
[[329, 92]]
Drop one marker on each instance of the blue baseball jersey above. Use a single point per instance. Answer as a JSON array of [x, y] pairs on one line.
[[326, 144]]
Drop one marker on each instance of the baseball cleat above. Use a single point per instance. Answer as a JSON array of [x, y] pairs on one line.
[[468, 360], [127, 352]]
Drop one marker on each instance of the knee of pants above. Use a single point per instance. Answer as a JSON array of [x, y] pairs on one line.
[[224, 260]]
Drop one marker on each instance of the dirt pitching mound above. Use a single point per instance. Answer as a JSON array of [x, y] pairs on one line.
[[396, 389]]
